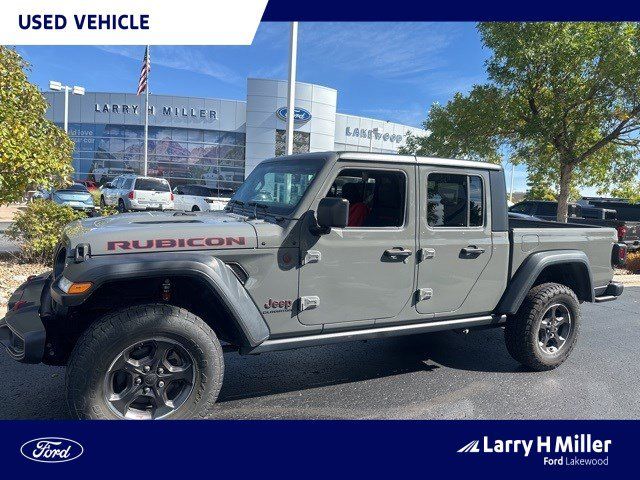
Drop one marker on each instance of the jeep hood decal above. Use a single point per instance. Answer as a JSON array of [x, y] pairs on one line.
[[161, 231]]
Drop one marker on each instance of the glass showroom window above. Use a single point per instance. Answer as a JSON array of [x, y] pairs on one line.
[[301, 142], [182, 156]]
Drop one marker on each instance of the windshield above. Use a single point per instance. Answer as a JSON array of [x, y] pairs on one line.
[[277, 187]]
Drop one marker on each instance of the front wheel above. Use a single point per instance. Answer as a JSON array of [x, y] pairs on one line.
[[145, 362], [544, 331]]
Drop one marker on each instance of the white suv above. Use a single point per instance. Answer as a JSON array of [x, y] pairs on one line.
[[196, 198], [131, 192]]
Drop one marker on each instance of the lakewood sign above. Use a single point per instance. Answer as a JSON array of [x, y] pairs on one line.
[[377, 135], [132, 109]]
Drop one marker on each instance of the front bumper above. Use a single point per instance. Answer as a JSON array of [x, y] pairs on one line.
[[22, 331], [610, 292]]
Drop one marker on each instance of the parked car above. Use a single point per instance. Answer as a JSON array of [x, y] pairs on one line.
[[75, 196], [41, 194], [132, 192], [544, 210], [103, 175], [91, 185], [137, 307], [197, 198], [604, 215]]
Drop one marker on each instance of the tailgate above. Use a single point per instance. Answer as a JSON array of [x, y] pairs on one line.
[[632, 234], [147, 196]]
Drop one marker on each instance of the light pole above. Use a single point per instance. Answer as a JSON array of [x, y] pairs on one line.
[[76, 90], [513, 168], [291, 93]]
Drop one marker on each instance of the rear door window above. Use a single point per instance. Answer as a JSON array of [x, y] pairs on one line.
[[455, 200]]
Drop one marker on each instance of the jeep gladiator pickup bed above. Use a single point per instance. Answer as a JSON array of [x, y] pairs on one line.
[[312, 249]]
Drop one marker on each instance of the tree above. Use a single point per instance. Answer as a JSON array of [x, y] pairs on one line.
[[562, 98], [33, 151], [628, 189]]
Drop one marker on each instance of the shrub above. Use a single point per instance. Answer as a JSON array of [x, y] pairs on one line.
[[633, 262], [38, 227], [107, 209]]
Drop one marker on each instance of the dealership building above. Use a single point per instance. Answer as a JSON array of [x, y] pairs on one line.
[[212, 141]]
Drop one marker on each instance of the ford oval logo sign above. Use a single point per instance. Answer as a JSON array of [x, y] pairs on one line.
[[51, 450], [299, 114]]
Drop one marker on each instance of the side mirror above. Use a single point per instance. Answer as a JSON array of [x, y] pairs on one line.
[[332, 212]]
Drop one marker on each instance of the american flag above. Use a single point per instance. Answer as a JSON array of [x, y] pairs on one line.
[[144, 72]]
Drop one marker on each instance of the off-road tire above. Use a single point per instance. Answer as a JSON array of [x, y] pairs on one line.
[[522, 329], [102, 342]]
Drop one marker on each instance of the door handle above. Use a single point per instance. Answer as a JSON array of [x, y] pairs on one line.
[[398, 253], [472, 250]]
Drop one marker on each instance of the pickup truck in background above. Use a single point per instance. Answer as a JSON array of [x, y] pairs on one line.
[[312, 249], [590, 212]]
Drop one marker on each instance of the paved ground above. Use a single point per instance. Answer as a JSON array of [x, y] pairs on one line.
[[443, 375]]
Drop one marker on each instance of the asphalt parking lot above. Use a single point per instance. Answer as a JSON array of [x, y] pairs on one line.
[[443, 375]]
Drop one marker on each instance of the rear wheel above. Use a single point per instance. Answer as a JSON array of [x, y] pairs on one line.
[[195, 208], [145, 362], [544, 331], [121, 207]]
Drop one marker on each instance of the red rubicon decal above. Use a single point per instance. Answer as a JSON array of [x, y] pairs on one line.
[[197, 242]]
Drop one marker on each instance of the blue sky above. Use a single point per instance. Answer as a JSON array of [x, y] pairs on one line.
[[391, 71]]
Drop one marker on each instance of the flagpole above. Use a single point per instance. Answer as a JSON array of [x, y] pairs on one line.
[[291, 94], [146, 121]]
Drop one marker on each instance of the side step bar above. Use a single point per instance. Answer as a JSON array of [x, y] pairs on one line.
[[372, 333]]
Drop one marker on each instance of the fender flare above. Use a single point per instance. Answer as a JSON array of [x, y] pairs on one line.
[[213, 271], [534, 265]]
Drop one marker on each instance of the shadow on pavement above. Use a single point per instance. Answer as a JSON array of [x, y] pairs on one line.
[[283, 372]]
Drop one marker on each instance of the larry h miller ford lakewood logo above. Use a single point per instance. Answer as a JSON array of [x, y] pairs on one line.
[[51, 450], [584, 450]]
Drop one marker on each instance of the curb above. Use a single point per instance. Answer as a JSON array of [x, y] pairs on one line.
[[631, 280]]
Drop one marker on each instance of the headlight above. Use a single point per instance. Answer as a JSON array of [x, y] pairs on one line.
[[67, 286], [64, 284]]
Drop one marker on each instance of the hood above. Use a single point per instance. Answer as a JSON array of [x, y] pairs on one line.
[[161, 231]]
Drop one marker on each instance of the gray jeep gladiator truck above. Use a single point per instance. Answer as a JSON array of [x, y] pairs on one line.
[[312, 249]]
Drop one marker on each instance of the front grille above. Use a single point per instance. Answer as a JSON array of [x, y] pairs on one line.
[[59, 261]]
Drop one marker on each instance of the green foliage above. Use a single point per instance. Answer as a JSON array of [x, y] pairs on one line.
[[628, 189], [562, 98], [33, 151], [107, 209], [38, 228]]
